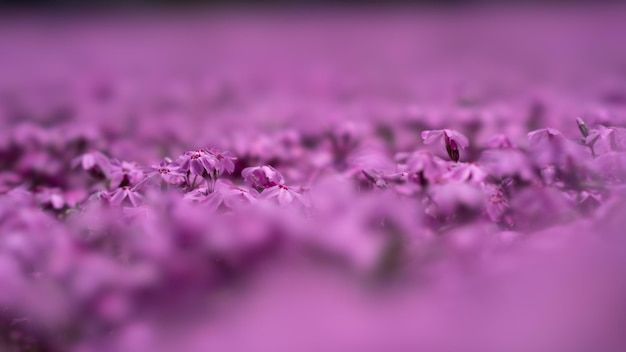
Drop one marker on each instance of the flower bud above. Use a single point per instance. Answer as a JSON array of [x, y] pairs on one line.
[[582, 127]]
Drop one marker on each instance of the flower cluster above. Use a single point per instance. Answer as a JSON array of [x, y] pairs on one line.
[[327, 212]]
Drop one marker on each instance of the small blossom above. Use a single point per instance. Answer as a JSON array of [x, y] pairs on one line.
[[261, 177], [225, 194], [169, 172], [452, 140], [199, 194], [120, 194], [124, 173], [235, 196], [425, 168], [198, 162], [607, 139], [224, 161], [611, 166], [550, 148], [94, 162], [283, 195], [467, 172], [543, 137]]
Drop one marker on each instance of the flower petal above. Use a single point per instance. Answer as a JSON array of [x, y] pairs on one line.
[[458, 137], [117, 197], [196, 167], [431, 137]]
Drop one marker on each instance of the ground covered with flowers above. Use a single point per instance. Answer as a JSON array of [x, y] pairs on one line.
[[256, 182]]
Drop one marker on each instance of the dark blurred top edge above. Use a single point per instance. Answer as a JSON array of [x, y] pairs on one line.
[[273, 5], [21, 11]]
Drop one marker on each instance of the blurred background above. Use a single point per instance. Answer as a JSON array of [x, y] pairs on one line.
[[71, 4]]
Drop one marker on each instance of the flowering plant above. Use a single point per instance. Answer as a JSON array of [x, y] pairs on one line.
[[220, 194]]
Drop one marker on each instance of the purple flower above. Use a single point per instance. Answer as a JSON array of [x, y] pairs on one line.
[[198, 162], [549, 148], [199, 194], [424, 168], [225, 194], [544, 137], [606, 139], [467, 172], [169, 172], [95, 162], [450, 139], [235, 196], [261, 177], [283, 195], [224, 161], [611, 166], [124, 173], [120, 194]]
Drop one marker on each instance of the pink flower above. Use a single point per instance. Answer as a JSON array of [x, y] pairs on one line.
[[425, 168], [198, 162], [450, 139], [199, 194], [225, 194], [467, 172], [550, 148], [94, 162], [235, 196], [120, 194], [124, 173], [261, 177], [283, 195], [607, 139], [611, 166], [169, 172], [544, 137], [224, 161]]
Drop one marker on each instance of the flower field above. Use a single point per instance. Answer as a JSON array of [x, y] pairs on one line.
[[314, 181]]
